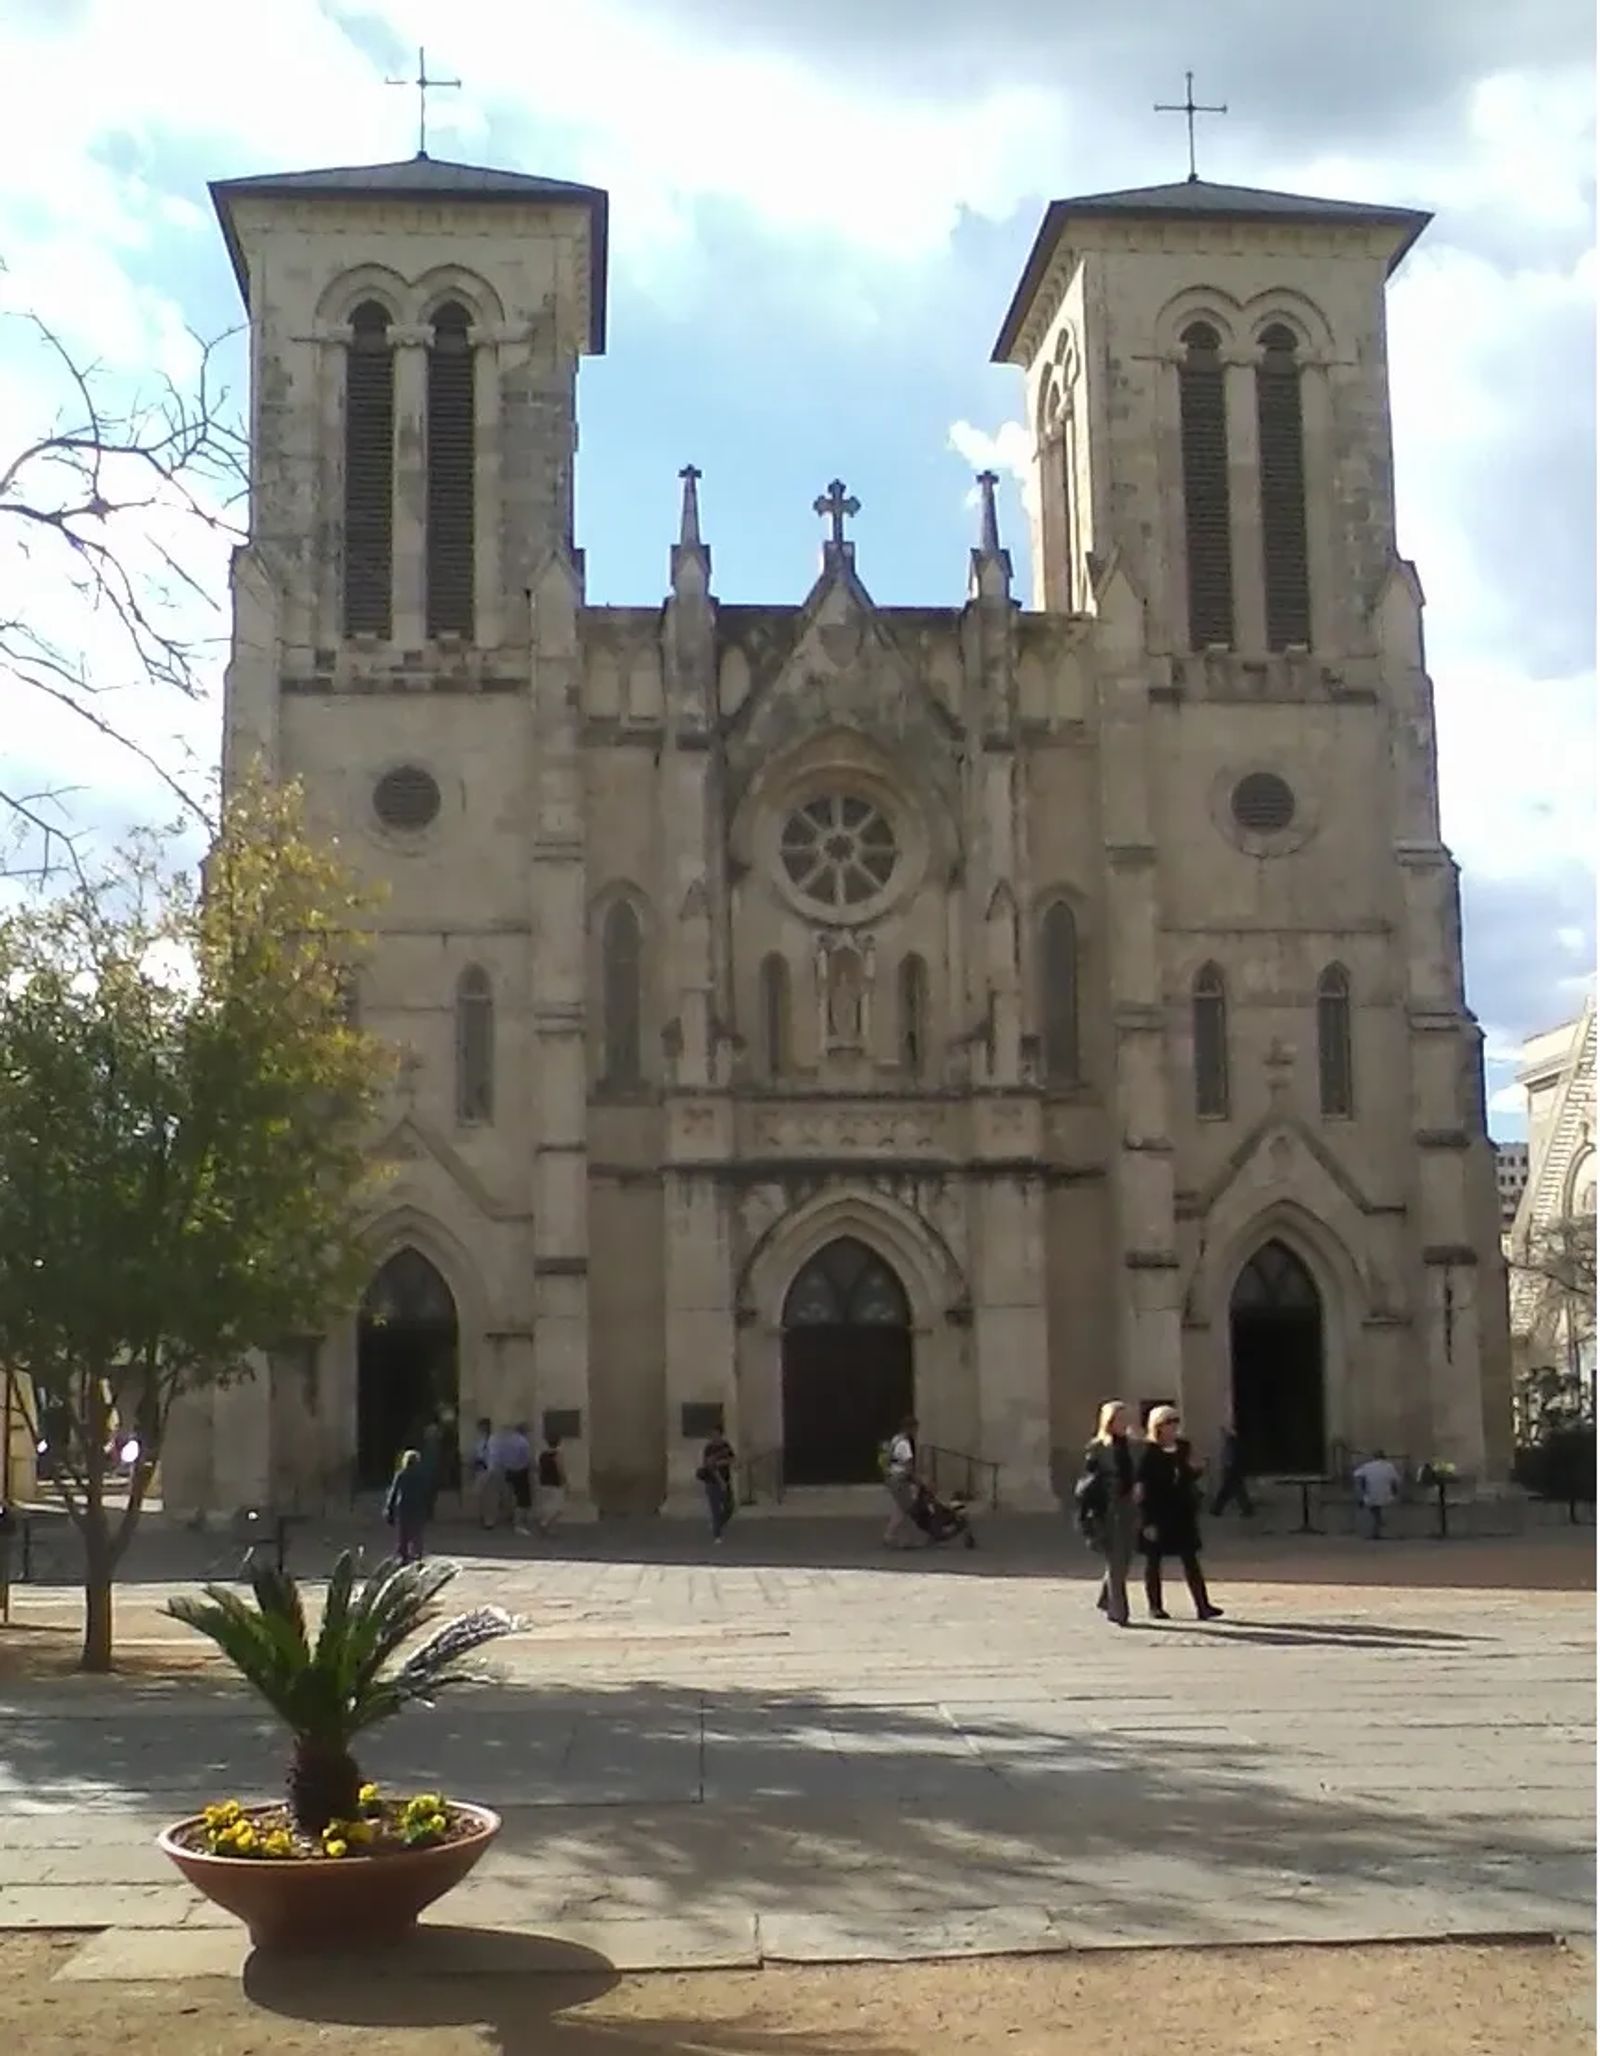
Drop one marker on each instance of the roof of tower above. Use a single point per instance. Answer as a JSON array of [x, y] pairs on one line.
[[423, 178], [1197, 200]]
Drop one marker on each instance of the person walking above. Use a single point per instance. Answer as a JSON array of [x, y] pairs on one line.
[[432, 1453], [486, 1484], [1232, 1484], [1107, 1498], [716, 1475], [1169, 1521], [900, 1481], [1377, 1484], [406, 1508], [511, 1458], [551, 1495]]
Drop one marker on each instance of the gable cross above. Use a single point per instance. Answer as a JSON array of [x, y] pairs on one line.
[[1189, 107], [423, 85], [835, 506]]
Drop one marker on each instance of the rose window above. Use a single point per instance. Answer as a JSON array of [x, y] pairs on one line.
[[838, 850]]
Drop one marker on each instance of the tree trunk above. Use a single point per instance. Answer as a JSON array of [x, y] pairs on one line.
[[99, 1566]]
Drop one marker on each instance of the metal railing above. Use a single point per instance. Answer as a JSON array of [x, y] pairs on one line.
[[954, 1474]]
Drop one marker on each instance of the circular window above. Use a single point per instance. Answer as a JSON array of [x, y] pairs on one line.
[[1263, 804], [407, 798], [838, 850]]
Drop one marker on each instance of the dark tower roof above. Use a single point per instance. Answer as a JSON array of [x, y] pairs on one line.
[[1196, 200], [423, 178]]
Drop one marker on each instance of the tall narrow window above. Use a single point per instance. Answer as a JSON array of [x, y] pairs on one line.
[[1210, 1045], [1058, 993], [913, 1016], [622, 953], [369, 474], [474, 1047], [774, 1017], [1203, 422], [1335, 1066], [450, 474], [1281, 436]]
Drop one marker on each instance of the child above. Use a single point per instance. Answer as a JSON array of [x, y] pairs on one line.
[[406, 1508]]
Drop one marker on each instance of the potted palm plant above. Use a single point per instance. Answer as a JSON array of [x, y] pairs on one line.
[[338, 1861]]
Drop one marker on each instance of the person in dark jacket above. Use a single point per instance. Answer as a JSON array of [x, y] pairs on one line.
[[716, 1476], [1232, 1485], [1108, 1504], [1169, 1519], [406, 1508]]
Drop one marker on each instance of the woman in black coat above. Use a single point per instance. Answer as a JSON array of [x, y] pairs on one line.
[[1169, 1520]]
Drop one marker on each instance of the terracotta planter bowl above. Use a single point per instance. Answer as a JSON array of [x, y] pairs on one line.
[[332, 1903]]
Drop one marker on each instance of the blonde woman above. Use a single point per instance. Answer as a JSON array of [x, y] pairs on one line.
[[1169, 1520], [1107, 1503]]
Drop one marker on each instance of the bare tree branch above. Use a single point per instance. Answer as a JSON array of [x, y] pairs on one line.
[[109, 511]]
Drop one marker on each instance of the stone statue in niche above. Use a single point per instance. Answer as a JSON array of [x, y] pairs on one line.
[[846, 997]]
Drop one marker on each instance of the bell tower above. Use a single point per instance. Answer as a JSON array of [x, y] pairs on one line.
[[415, 330], [1207, 382]]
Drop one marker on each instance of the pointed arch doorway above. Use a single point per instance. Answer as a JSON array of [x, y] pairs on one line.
[[1276, 1339], [406, 1365], [848, 1374]]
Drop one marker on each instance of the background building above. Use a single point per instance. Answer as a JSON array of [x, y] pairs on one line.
[[1551, 1239]]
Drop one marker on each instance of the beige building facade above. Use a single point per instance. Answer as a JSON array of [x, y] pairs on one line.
[[822, 1010], [1552, 1306]]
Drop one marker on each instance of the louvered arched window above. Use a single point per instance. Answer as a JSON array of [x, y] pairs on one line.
[[622, 995], [474, 1047], [1203, 424], [1058, 993], [1335, 1062], [1210, 1009], [369, 473], [774, 1016], [450, 474], [1281, 437], [913, 1022]]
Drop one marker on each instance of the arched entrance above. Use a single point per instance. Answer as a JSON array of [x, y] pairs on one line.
[[847, 1367], [1276, 1339], [406, 1378]]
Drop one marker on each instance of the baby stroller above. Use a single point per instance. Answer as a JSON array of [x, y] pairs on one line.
[[942, 1520]]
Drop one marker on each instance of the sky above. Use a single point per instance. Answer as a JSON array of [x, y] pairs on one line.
[[819, 209]]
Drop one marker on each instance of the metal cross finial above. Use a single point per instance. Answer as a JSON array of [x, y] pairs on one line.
[[1189, 109], [689, 523], [990, 532], [836, 506], [422, 82]]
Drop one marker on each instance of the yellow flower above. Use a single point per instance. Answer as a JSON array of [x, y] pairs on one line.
[[279, 1843], [368, 1795], [358, 1831], [336, 1846], [223, 1815], [435, 1824], [425, 1802], [242, 1838]]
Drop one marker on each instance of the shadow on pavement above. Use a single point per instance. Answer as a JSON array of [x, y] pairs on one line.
[[523, 1993]]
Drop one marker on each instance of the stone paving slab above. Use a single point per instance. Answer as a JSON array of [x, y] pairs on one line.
[[439, 1949]]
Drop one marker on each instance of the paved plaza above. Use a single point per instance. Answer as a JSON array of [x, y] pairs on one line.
[[798, 1748]]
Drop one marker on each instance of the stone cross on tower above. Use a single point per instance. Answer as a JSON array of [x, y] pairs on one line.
[[836, 507], [424, 85], [689, 521], [989, 532], [1189, 107]]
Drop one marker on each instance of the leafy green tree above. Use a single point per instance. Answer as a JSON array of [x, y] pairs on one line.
[[183, 1107]]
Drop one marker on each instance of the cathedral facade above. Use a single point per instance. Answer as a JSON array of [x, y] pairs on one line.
[[815, 1012]]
